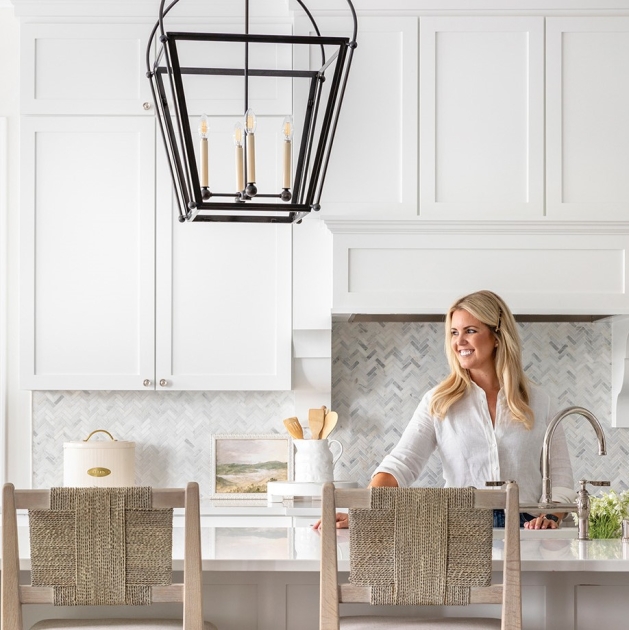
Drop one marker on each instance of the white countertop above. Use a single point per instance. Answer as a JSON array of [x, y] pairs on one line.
[[297, 549], [260, 507]]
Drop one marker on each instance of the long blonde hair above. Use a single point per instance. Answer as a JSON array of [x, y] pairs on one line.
[[492, 311]]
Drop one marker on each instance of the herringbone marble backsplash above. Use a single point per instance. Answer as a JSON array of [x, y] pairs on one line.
[[379, 373], [171, 430]]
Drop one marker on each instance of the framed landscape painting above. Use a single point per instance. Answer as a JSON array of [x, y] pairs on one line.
[[242, 465]]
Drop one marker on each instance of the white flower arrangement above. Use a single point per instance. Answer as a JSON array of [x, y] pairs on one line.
[[607, 512]]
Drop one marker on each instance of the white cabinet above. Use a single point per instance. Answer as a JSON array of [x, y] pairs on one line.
[[373, 166], [481, 113], [116, 294], [223, 306], [502, 118], [92, 317], [84, 69], [87, 252], [587, 101], [223, 316], [443, 118]]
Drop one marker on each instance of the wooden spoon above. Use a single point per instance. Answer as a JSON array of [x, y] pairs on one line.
[[294, 428], [315, 422], [329, 423]]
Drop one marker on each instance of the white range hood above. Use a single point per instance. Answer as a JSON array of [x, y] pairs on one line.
[[420, 267]]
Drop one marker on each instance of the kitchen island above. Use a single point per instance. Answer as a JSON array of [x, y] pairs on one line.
[[266, 578]]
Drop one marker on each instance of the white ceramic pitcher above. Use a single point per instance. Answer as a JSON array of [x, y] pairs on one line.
[[314, 460]]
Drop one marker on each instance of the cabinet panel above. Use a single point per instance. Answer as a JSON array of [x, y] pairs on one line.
[[424, 270], [587, 120], [601, 606], [87, 240], [223, 310], [373, 166], [84, 69], [481, 117]]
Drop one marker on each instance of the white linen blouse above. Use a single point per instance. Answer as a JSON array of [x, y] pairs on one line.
[[472, 451]]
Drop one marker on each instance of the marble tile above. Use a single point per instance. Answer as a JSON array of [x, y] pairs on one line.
[[171, 430], [381, 370]]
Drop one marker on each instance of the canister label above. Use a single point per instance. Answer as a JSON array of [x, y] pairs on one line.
[[99, 471]]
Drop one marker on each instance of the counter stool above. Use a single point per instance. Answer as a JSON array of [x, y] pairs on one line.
[[102, 547], [422, 547]]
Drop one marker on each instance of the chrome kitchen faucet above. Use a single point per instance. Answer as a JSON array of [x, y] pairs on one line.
[[582, 505]]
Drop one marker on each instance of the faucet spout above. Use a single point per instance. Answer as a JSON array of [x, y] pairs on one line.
[[548, 437]]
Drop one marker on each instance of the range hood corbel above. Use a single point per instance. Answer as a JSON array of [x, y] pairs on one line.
[[620, 371]]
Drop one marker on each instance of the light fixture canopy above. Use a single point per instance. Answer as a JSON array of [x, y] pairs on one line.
[[175, 69]]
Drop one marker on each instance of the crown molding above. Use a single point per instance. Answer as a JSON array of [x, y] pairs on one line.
[[144, 8], [411, 7], [339, 225]]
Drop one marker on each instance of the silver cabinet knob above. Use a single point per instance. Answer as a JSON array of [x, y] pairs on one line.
[[163, 382], [146, 382], [146, 105]]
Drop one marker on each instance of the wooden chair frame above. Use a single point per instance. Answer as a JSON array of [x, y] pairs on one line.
[[508, 593], [13, 595]]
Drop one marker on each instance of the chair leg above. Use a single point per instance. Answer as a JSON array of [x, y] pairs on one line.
[[11, 614], [329, 604]]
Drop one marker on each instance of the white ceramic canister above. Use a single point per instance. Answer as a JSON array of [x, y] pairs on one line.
[[102, 463], [314, 460]]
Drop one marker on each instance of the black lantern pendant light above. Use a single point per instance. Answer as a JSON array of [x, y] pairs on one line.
[[179, 68]]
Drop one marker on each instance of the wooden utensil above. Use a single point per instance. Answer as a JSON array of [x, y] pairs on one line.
[[329, 422], [294, 428], [315, 422]]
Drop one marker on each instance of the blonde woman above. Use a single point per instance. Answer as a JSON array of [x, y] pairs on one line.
[[485, 419]]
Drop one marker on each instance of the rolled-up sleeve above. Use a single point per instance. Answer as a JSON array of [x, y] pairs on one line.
[[407, 460]]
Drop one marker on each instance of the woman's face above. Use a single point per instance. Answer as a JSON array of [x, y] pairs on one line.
[[472, 342]]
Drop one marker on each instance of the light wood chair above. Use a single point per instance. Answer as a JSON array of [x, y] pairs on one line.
[[102, 546], [390, 565]]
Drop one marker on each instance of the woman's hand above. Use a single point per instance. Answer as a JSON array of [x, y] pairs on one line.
[[379, 480], [541, 522], [342, 521]]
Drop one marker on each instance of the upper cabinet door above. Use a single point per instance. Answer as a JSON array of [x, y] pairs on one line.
[[87, 252], [373, 166], [85, 69], [223, 292], [481, 117], [587, 100]]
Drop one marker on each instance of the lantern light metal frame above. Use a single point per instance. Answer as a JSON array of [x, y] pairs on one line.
[[318, 126]]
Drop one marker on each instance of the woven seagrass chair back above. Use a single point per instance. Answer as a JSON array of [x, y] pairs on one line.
[[101, 547], [422, 547]]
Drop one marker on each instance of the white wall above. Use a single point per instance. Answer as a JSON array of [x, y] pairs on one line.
[[17, 406]]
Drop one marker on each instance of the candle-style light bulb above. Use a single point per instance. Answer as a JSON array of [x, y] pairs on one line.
[[287, 130], [250, 129], [203, 134], [251, 122], [240, 164]]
